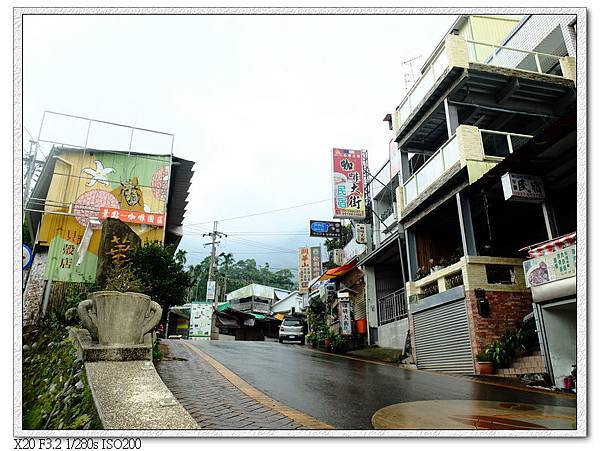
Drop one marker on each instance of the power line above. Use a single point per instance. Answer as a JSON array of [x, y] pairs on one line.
[[261, 213]]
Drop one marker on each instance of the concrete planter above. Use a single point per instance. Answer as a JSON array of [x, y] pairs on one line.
[[115, 318]]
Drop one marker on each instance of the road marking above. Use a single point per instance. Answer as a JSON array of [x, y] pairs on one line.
[[305, 420], [476, 381]]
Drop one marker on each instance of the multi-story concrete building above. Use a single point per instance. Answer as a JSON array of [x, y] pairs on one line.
[[496, 97]]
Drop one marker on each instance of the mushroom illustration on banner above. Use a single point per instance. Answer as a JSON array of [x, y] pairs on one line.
[[160, 183], [89, 203]]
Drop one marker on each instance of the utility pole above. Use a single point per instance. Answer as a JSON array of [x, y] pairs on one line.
[[215, 234]]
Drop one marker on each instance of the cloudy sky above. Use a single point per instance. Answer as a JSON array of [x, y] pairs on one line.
[[256, 101]]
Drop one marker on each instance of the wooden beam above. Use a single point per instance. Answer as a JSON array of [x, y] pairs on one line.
[[507, 91]]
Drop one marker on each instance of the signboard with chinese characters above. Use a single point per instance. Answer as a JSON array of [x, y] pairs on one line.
[[522, 187], [200, 320], [315, 262], [348, 184], [326, 229], [352, 250], [304, 269], [344, 316], [395, 160], [361, 234], [211, 287], [137, 184], [338, 257], [550, 267], [136, 217]]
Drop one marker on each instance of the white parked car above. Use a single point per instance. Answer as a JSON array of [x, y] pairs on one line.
[[291, 329]]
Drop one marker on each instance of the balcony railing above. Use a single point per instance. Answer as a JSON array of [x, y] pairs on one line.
[[456, 55], [511, 58], [392, 307], [502, 144], [471, 272], [445, 157], [424, 83]]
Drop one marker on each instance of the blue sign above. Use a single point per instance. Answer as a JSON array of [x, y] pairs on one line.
[[326, 229], [320, 227], [27, 256]]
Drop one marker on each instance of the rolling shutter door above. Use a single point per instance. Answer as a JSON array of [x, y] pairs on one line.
[[442, 338]]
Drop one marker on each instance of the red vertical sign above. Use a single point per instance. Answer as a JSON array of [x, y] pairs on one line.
[[348, 184]]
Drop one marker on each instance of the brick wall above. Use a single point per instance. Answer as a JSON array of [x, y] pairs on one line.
[[34, 290], [506, 310]]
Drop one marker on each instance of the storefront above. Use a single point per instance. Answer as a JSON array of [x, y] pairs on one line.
[[551, 274]]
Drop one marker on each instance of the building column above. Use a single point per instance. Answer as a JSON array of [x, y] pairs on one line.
[[549, 220], [370, 299], [411, 254], [451, 117], [466, 224], [404, 167]]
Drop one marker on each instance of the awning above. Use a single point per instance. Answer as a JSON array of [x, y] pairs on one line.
[[555, 244], [222, 307], [337, 272]]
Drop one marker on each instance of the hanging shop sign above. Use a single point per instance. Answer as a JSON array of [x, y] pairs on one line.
[[361, 234], [211, 287], [522, 187], [315, 262], [304, 269], [338, 257], [395, 159], [325, 229], [550, 267], [344, 316], [27, 256], [348, 184], [136, 217]]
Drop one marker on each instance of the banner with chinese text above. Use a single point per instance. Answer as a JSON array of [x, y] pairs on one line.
[[348, 184], [304, 269], [136, 217], [315, 262]]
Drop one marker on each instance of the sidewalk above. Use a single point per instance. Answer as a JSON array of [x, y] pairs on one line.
[[211, 399], [386, 356]]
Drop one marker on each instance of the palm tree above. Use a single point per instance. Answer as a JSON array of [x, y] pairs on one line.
[[227, 259]]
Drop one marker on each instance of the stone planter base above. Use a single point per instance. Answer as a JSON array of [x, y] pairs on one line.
[[89, 351]]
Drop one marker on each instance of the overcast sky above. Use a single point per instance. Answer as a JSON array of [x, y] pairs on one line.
[[256, 101]]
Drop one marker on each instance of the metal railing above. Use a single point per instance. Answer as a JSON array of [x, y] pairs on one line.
[[430, 289], [438, 163], [392, 307], [424, 83], [511, 58], [454, 280], [502, 144]]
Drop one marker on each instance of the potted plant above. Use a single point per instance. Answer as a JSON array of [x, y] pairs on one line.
[[120, 314], [485, 362], [434, 267]]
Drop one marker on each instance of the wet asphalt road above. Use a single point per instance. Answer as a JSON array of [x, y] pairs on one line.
[[343, 392]]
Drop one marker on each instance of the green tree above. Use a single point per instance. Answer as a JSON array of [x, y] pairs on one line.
[[26, 236], [335, 243], [161, 272], [231, 275]]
